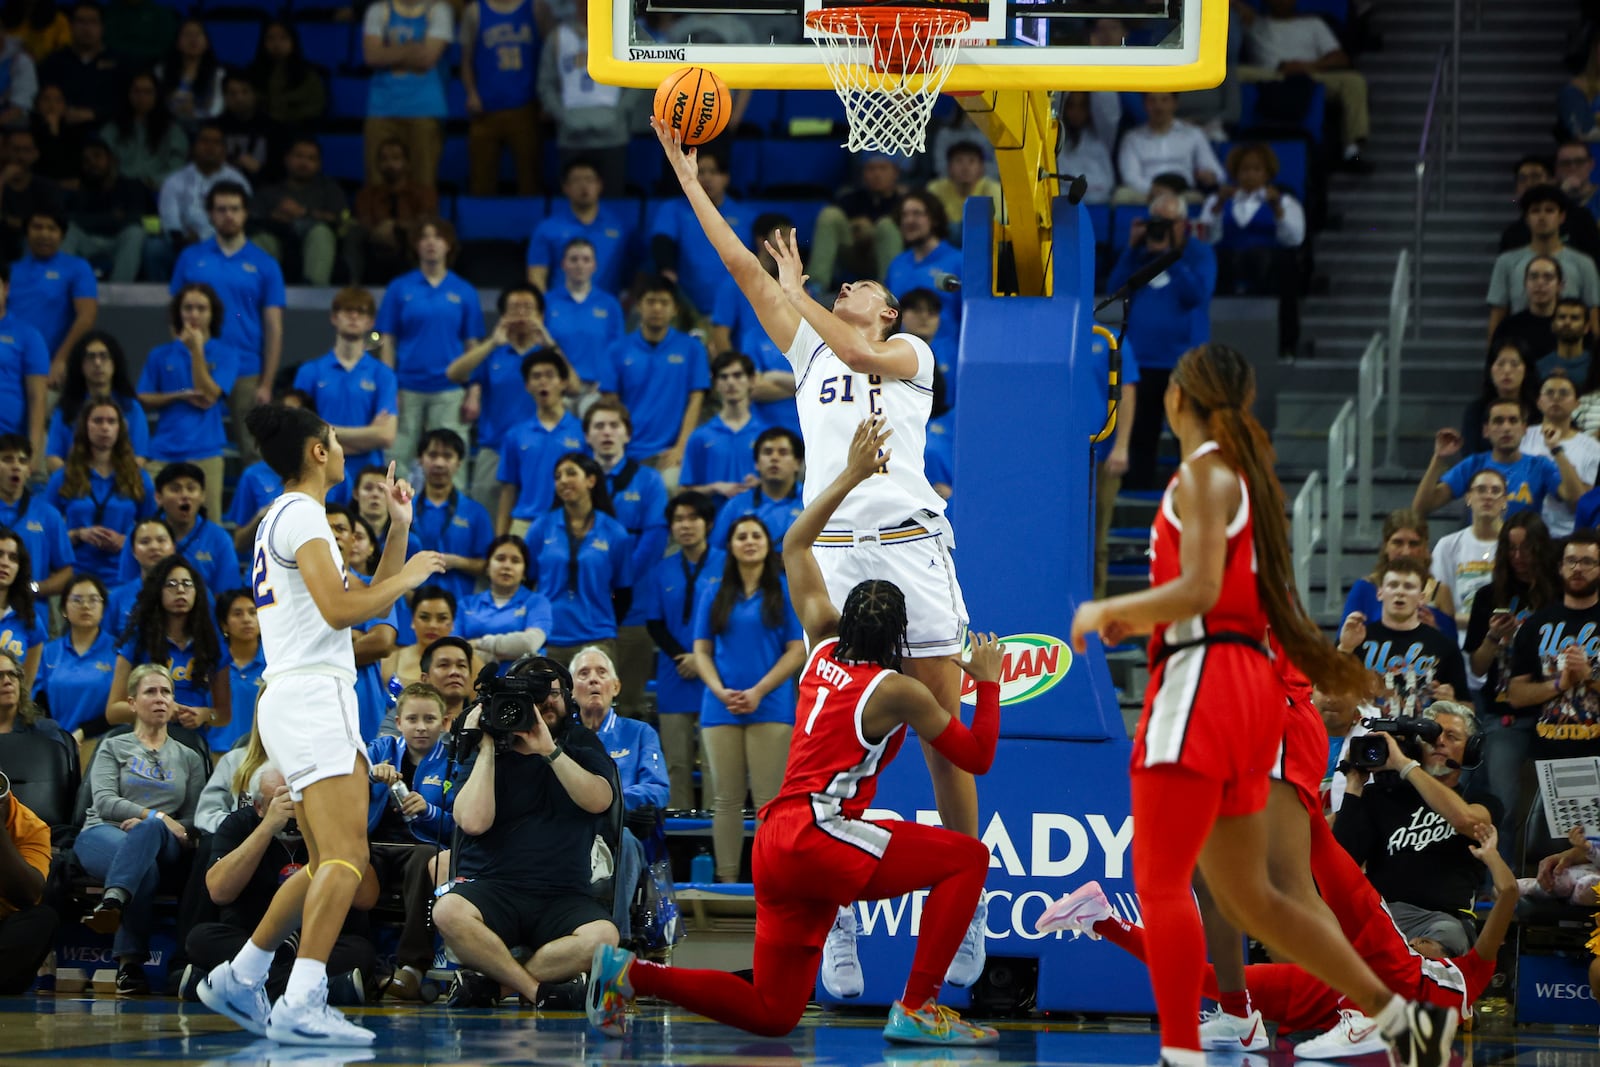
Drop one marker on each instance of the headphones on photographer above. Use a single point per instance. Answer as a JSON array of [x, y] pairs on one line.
[[1472, 752]]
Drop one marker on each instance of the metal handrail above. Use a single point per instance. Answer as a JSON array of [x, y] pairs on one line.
[[1370, 389], [1341, 461], [1429, 162], [1399, 313], [1305, 529]]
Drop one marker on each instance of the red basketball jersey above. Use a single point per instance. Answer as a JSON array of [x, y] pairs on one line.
[[832, 766], [1238, 609]]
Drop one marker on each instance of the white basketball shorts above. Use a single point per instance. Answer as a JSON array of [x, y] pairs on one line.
[[917, 559], [310, 727]]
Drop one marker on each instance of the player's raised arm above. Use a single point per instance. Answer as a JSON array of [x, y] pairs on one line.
[[807, 592], [778, 317]]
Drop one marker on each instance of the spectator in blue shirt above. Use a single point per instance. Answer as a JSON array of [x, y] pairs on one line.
[[416, 758], [719, 458], [497, 396], [54, 292], [639, 497], [1529, 479], [679, 247], [631, 743], [583, 555], [249, 283], [447, 521], [1167, 318], [75, 669], [375, 638], [581, 214], [185, 381], [102, 491], [24, 366], [748, 647], [779, 454], [428, 318], [149, 544], [510, 618], [927, 258], [529, 450], [22, 633], [172, 627], [667, 595], [584, 320], [369, 502], [662, 375], [735, 328], [180, 488], [40, 525], [96, 368], [244, 660], [258, 486], [352, 391], [922, 315]]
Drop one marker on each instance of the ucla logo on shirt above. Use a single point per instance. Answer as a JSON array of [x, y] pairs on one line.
[[248, 268], [459, 521], [368, 385], [52, 275], [35, 526], [202, 557], [572, 443], [612, 232], [618, 753], [183, 673], [602, 546], [453, 298], [601, 313], [519, 613], [104, 668], [11, 642], [631, 495], [674, 357], [6, 338], [432, 779]]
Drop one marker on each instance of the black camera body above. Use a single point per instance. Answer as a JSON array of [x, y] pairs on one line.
[[1415, 735], [1158, 230], [509, 703]]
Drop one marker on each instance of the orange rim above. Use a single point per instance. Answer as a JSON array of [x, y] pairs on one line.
[[886, 25]]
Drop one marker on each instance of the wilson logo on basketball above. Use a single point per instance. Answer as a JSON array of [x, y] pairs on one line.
[[706, 113], [1032, 664]]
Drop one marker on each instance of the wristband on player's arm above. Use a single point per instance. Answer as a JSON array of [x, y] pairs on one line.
[[973, 749]]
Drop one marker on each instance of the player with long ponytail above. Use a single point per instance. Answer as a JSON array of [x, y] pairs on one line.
[[1214, 715]]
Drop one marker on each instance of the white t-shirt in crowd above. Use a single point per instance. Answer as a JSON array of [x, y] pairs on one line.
[[1464, 564], [1300, 39], [1183, 149], [1583, 452]]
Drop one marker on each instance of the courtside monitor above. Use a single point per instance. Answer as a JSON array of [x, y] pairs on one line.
[[1010, 44]]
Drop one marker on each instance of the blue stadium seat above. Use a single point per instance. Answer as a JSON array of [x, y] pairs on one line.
[[1311, 122], [455, 98], [343, 156], [327, 44], [447, 208], [347, 96], [498, 218], [744, 167], [241, 9], [1335, 11], [811, 104], [1100, 220], [820, 166], [764, 111], [802, 212], [644, 165], [234, 42], [317, 8], [630, 209], [453, 161]]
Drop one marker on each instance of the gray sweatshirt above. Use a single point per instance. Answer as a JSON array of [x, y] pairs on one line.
[[126, 778]]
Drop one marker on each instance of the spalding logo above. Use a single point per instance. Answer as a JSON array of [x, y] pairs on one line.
[[1032, 664]]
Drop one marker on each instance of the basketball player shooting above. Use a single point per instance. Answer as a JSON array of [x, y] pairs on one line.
[[850, 721], [309, 722], [849, 363]]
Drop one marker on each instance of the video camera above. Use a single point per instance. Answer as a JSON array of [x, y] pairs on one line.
[[509, 702], [1415, 735]]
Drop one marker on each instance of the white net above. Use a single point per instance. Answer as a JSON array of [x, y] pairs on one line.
[[888, 65]]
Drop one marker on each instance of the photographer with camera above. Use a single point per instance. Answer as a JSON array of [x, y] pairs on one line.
[[1165, 319], [1417, 663], [1410, 824], [534, 790]]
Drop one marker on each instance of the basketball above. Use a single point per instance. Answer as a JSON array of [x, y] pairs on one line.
[[695, 102]]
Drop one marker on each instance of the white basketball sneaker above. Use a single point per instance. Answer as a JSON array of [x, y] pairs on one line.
[[1078, 911], [1223, 1032], [841, 967], [310, 1021], [1355, 1035]]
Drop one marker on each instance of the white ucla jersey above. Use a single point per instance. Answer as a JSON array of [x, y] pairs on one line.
[[833, 399], [294, 635]]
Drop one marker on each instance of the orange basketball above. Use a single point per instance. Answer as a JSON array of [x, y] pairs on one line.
[[695, 102]]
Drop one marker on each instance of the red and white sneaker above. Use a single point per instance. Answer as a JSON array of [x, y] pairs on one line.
[[1222, 1032], [1355, 1035], [1078, 911]]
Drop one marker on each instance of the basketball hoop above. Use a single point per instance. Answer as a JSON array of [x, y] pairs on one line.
[[888, 65]]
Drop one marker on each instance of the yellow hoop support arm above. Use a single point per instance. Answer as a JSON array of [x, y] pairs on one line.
[[1115, 386], [1022, 127]]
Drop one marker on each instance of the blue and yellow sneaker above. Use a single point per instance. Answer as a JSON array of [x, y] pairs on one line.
[[935, 1024], [610, 992]]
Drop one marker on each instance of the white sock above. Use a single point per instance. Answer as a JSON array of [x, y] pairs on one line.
[[306, 977], [250, 966], [1392, 1018], [1182, 1057]]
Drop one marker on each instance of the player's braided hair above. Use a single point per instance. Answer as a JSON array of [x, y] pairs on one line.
[[1220, 384], [872, 627]]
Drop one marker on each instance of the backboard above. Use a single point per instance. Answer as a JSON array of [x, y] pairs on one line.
[[1012, 44]]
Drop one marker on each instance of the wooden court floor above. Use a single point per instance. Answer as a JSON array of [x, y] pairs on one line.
[[92, 1031]]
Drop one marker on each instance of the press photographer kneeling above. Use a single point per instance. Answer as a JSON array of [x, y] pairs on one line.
[[1407, 821], [528, 811]]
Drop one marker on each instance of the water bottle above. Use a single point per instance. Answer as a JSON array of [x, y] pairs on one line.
[[703, 869], [396, 687], [398, 793]]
